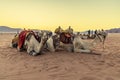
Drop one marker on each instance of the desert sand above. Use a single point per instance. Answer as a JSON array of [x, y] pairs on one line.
[[61, 65]]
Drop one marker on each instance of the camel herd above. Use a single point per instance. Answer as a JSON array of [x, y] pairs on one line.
[[35, 42]]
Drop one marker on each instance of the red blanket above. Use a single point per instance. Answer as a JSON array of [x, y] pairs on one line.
[[21, 40]]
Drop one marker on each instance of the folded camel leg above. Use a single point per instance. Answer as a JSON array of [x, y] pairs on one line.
[[82, 51]]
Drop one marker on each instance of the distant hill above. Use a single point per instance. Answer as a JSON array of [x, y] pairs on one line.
[[8, 29], [114, 30]]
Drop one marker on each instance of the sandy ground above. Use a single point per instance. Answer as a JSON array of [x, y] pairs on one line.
[[61, 65]]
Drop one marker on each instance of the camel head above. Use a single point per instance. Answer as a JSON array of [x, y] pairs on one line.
[[44, 37], [56, 40]]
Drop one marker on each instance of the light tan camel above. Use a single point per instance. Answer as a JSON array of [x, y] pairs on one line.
[[33, 46], [79, 45]]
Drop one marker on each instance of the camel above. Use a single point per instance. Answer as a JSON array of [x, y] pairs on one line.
[[33, 46], [79, 45], [52, 42], [38, 34], [19, 39]]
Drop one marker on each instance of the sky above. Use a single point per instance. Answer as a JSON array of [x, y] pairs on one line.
[[81, 15]]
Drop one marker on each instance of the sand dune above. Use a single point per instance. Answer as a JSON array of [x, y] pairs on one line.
[[61, 65]]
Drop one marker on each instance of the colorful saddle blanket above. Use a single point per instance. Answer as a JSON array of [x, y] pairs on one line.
[[21, 39], [65, 38], [22, 36]]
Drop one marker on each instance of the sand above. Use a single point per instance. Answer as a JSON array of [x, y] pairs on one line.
[[61, 65]]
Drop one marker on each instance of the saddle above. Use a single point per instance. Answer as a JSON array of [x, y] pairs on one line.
[[25, 35], [66, 38], [35, 34]]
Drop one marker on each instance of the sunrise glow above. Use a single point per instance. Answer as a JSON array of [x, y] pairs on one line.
[[81, 15]]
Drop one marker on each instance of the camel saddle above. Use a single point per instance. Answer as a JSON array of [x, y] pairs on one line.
[[23, 35], [66, 38]]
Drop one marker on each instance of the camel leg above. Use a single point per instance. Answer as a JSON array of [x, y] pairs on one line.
[[34, 53], [82, 51], [29, 50], [103, 47], [11, 45], [85, 51], [18, 49], [51, 47]]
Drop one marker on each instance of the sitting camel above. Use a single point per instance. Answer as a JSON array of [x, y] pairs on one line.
[[19, 39], [79, 45], [33, 46]]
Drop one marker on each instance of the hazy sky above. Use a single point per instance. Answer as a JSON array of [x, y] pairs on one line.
[[49, 14]]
